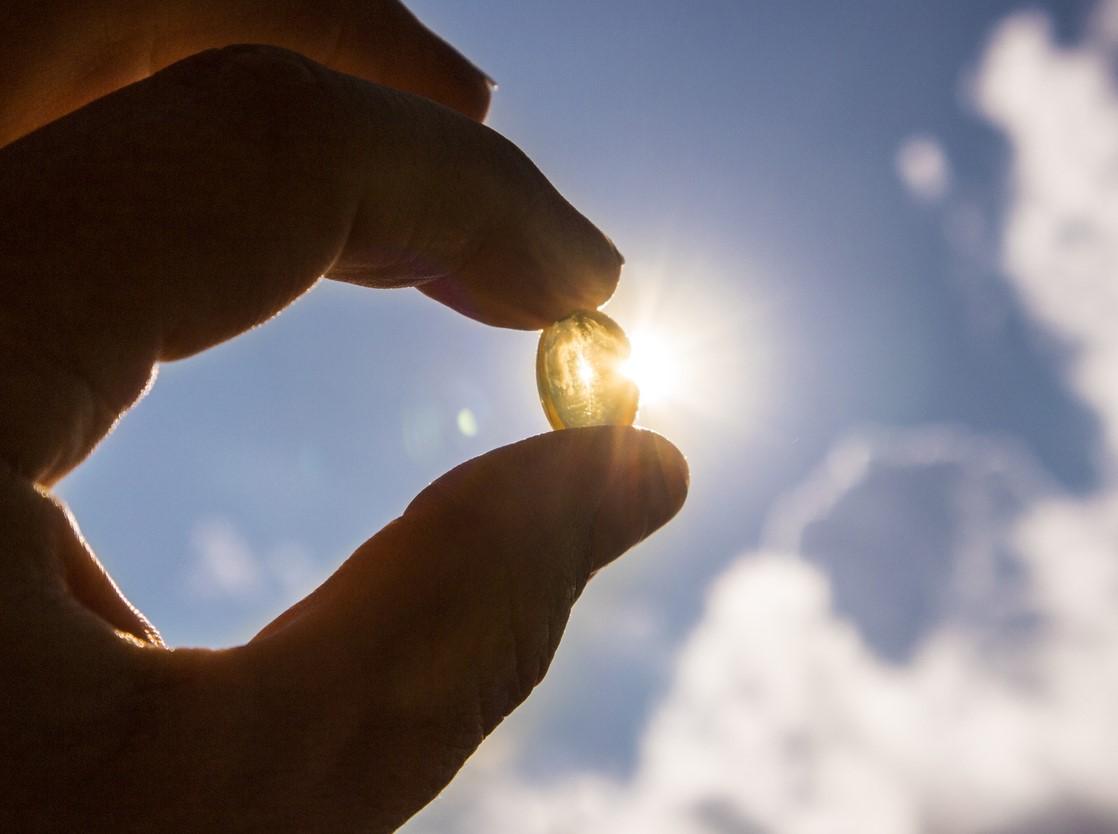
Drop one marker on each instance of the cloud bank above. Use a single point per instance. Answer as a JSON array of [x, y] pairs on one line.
[[1058, 108]]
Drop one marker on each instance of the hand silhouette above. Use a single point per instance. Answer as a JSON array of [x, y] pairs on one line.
[[156, 199]]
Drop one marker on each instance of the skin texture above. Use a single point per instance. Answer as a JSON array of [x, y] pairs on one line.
[[164, 191]]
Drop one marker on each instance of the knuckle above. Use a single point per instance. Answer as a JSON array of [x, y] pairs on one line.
[[268, 65], [253, 85]]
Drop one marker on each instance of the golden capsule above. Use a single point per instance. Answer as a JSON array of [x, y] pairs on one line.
[[581, 375]]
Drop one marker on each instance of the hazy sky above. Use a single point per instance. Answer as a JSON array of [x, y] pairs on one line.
[[880, 239]]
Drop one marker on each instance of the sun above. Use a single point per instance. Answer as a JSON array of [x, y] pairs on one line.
[[702, 358], [654, 364]]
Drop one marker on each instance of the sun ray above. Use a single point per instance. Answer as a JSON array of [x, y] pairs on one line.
[[698, 360]]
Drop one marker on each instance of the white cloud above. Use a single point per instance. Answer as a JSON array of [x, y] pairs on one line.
[[1058, 107], [792, 707], [224, 564], [923, 168]]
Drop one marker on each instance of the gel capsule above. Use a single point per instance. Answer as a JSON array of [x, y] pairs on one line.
[[580, 373]]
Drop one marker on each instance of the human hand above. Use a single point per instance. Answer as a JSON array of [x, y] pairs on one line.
[[180, 210]]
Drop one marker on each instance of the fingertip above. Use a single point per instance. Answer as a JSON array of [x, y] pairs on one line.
[[433, 68], [550, 263], [577, 265], [617, 256], [666, 459], [616, 482], [463, 87], [595, 264], [646, 487]]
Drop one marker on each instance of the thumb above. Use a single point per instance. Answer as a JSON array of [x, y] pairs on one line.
[[437, 627]]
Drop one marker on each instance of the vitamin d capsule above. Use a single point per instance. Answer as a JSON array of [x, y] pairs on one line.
[[580, 373]]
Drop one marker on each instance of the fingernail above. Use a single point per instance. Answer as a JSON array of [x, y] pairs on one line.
[[478, 71], [647, 485]]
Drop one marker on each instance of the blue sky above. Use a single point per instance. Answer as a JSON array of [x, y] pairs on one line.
[[879, 383]]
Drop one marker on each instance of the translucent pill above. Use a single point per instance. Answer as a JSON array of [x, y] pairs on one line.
[[580, 371]]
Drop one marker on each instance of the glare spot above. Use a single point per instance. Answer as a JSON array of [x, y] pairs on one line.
[[923, 168], [467, 422], [653, 365], [585, 371]]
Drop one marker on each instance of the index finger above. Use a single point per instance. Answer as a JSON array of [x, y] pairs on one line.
[[182, 210], [58, 55]]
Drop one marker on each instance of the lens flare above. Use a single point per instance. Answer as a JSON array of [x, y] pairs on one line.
[[654, 365], [702, 353]]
